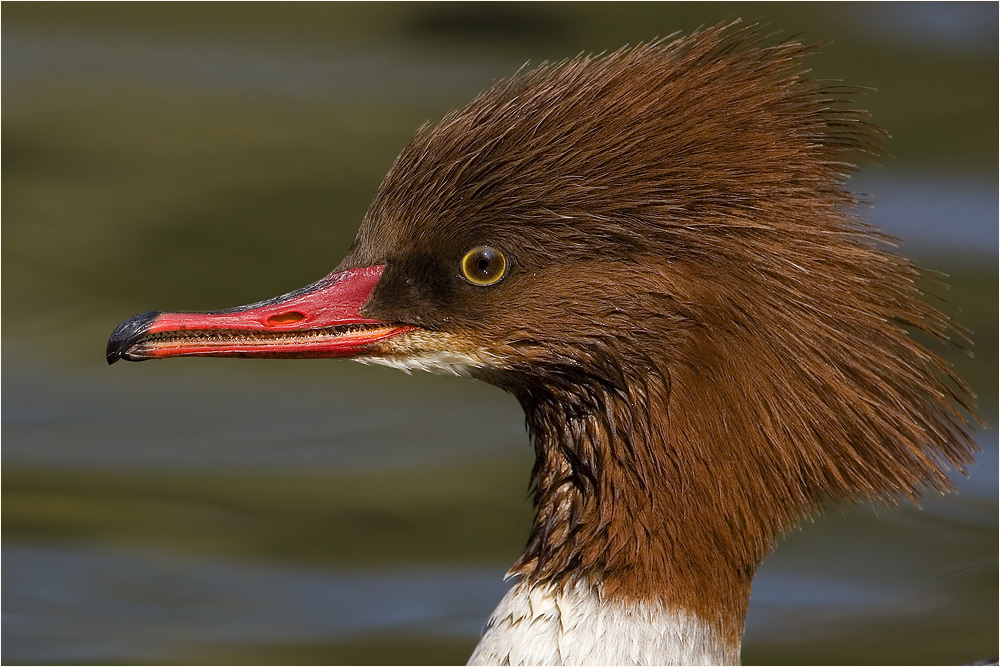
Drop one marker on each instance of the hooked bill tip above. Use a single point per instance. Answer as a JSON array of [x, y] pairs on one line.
[[127, 334]]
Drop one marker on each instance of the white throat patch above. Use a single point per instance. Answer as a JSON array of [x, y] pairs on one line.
[[431, 351], [441, 363]]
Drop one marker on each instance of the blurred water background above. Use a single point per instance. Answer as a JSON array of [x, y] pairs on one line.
[[197, 156]]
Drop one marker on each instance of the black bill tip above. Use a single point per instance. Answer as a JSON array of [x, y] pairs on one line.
[[127, 334]]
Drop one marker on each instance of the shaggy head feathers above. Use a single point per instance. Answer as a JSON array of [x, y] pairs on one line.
[[707, 342]]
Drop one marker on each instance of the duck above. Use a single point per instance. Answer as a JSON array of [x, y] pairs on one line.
[[655, 252]]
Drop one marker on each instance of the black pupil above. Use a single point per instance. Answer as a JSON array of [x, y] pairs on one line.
[[483, 265]]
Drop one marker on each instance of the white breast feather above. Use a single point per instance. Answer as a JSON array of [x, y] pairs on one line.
[[542, 625]]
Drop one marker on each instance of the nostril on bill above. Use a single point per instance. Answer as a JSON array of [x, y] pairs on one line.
[[285, 318]]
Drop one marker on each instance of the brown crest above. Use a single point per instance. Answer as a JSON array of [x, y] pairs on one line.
[[708, 342]]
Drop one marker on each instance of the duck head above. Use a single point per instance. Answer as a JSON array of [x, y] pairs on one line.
[[654, 251]]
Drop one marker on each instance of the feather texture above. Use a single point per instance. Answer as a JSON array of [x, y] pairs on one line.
[[708, 342]]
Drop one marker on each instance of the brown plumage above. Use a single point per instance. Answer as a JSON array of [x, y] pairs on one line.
[[708, 343]]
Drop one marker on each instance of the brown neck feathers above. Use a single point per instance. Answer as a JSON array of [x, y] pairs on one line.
[[708, 343]]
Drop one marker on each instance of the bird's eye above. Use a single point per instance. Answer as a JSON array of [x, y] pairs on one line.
[[484, 266]]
